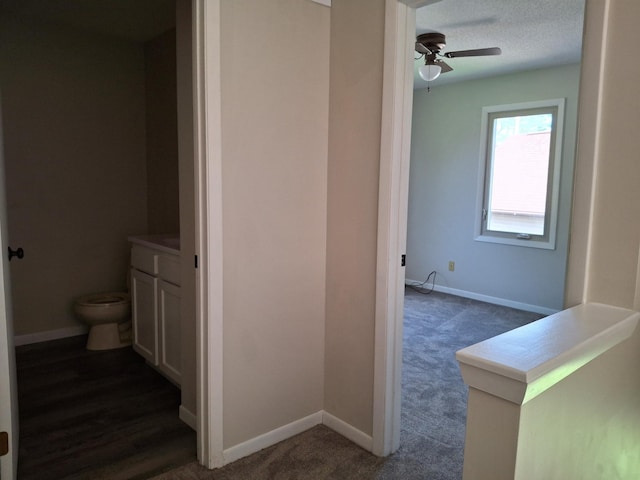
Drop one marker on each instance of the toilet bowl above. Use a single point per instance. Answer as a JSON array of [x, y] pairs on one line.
[[109, 318]]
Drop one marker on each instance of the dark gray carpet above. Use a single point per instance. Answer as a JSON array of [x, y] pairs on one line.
[[434, 397], [434, 401]]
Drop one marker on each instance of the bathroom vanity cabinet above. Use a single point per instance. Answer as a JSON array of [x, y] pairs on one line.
[[155, 303]]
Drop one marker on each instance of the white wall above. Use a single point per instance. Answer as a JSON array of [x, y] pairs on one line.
[[73, 106], [275, 98], [588, 425], [443, 191]]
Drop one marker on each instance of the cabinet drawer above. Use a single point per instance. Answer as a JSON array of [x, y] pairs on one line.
[[169, 268], [144, 259]]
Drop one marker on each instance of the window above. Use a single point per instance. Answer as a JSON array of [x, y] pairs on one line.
[[519, 180]]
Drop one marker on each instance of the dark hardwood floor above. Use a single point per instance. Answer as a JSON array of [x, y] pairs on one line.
[[96, 415]]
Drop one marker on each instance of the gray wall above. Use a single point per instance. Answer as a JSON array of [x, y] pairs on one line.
[[187, 204], [443, 189], [161, 134]]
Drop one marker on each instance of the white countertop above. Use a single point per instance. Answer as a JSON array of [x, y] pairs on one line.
[[520, 364], [168, 243]]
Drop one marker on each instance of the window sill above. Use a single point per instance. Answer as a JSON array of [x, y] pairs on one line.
[[548, 245]]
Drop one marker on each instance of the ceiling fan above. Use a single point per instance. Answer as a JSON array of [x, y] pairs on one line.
[[431, 44]]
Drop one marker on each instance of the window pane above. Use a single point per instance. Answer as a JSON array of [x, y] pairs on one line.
[[519, 174]]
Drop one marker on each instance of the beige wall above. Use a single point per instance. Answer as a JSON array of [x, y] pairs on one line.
[[587, 426], [491, 437], [161, 134], [616, 230], [352, 208], [605, 420], [275, 77], [187, 204], [73, 106]]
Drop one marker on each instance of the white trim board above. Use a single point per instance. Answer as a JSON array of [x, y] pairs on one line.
[[487, 298], [326, 3], [268, 439], [348, 431], [296, 427], [38, 337], [188, 417]]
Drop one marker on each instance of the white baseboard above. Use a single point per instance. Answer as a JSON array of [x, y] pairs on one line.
[[188, 417], [347, 431], [294, 428], [488, 299], [50, 335], [271, 438]]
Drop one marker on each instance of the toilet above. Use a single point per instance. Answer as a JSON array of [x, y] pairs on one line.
[[109, 318]]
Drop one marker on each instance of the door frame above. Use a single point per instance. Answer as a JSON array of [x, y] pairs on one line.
[[8, 396], [393, 196], [208, 219]]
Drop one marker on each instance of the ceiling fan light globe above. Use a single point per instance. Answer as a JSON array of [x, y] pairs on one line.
[[429, 72]]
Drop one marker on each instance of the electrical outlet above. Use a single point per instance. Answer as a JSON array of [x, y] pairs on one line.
[[452, 265]]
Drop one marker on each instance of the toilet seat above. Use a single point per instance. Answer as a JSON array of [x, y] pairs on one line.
[[103, 299]]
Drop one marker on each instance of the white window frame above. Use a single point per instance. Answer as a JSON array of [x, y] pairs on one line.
[[548, 241]]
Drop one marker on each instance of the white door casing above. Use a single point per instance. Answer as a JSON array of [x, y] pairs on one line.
[[395, 147], [8, 387], [207, 123]]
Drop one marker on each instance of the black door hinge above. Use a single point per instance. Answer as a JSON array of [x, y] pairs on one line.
[[403, 260], [195, 258]]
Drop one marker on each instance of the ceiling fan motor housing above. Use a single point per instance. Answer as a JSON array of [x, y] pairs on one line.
[[433, 41]]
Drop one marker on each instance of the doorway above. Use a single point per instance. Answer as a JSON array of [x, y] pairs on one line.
[[80, 185], [400, 39], [447, 183]]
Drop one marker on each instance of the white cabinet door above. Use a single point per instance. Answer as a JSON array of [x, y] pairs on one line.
[[169, 326], [144, 308]]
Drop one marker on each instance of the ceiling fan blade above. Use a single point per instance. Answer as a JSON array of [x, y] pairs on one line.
[[420, 48], [444, 66], [479, 52]]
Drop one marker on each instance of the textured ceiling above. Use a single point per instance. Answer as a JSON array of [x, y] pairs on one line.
[[531, 33], [136, 20]]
